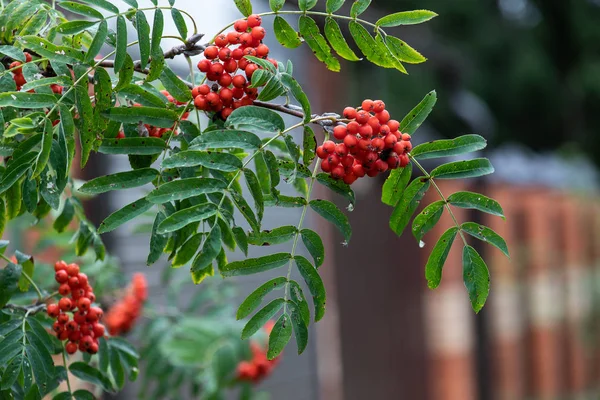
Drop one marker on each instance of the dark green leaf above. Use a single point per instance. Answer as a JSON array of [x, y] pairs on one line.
[[403, 52], [185, 188], [149, 115], [296, 91], [275, 236], [142, 96], [187, 250], [314, 283], [337, 186], [134, 145], [241, 239], [121, 180], [212, 160], [284, 201], [331, 213], [273, 166], [83, 394], [373, 48], [317, 43], [203, 261], [116, 368], [121, 49], [485, 234], [395, 184], [417, 115], [179, 23], [297, 297], [11, 373], [59, 80], [447, 148], [337, 41], [157, 240], [81, 9], [44, 48], [476, 201], [255, 119], [8, 284], [305, 5], [280, 336], [186, 216], [359, 7], [65, 217], [28, 265], [276, 5], [244, 208], [309, 146], [285, 34], [408, 203], [261, 317], [16, 170], [300, 328], [73, 27], [406, 18], [255, 191], [245, 7], [175, 85], [26, 100], [87, 130], [463, 169], [103, 4], [143, 30], [12, 52], [314, 245], [251, 266], [125, 214], [256, 297], [476, 277], [262, 172], [427, 219], [333, 5], [223, 139], [96, 45], [90, 374], [438, 256]]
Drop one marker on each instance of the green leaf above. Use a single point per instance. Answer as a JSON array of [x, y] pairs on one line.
[[125, 214], [83, 394], [157, 33], [408, 204], [485, 234], [87, 130], [285, 34], [28, 265], [284, 201], [255, 119], [26, 100], [8, 283], [132, 3], [73, 27], [262, 172], [244, 208], [333, 5], [121, 48], [406, 18], [185, 188], [149, 115], [212, 160], [314, 283], [276, 5], [261, 317], [463, 169], [134, 145], [157, 240], [296, 91], [118, 181], [309, 145], [96, 45], [44, 48], [446, 148], [373, 48], [359, 7], [337, 41], [476, 277], [273, 166], [59, 80], [143, 30], [81, 9], [317, 43], [12, 52], [103, 4], [470, 200], [65, 217], [427, 219], [179, 23], [313, 243], [186, 216], [175, 85], [337, 186], [331, 213], [12, 371], [438, 256], [251, 266], [297, 297], [395, 184], [256, 297], [280, 336], [300, 328], [187, 250], [44, 155], [224, 139], [90, 374], [3, 216], [125, 73], [16, 170], [275, 236], [241, 239], [403, 52], [116, 368], [139, 94], [305, 5], [245, 7], [417, 115], [292, 148]]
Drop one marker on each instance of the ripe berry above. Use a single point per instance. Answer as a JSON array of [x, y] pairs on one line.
[[321, 153], [350, 112], [61, 276], [15, 64], [65, 304], [393, 161], [64, 335], [91, 296], [362, 117], [358, 170], [243, 63], [93, 349], [378, 106], [367, 105], [19, 79], [239, 81], [404, 160], [225, 80], [86, 341], [377, 144], [340, 132], [230, 66], [329, 146], [338, 172], [211, 52], [64, 289], [63, 318], [224, 54], [226, 95], [221, 40], [250, 51], [28, 57], [348, 161], [83, 279], [374, 124], [262, 50], [98, 330], [84, 304], [240, 25], [58, 327], [238, 93], [399, 147], [234, 38], [326, 166], [393, 124], [246, 39], [353, 127], [72, 269], [350, 141], [250, 70], [74, 282], [60, 265], [406, 137], [383, 116], [86, 329], [204, 65], [408, 146], [79, 317], [237, 54], [258, 33], [341, 150], [53, 310], [390, 140], [381, 165], [71, 347], [94, 314], [365, 131], [72, 326], [254, 20], [349, 179]]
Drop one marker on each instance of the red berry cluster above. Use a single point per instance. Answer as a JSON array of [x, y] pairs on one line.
[[371, 144], [20, 79], [122, 316], [154, 131], [224, 60], [259, 367], [84, 329]]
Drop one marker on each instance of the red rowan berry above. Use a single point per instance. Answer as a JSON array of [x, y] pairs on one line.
[[252, 93], [340, 132], [399, 147], [74, 282], [53, 310], [246, 39], [390, 140], [406, 137], [15, 64], [367, 105], [86, 341], [224, 54], [91, 296], [238, 93], [377, 144], [233, 38], [378, 106], [237, 54], [64, 289], [211, 52], [225, 80], [329, 146], [61, 276], [246, 101], [408, 146], [383, 117], [393, 161], [79, 317], [204, 65], [372, 173], [258, 33], [83, 280], [94, 310], [28, 57], [19, 79], [239, 81], [64, 335], [393, 124], [56, 88], [353, 127], [217, 69], [365, 131], [350, 112], [250, 70], [371, 157], [212, 99], [120, 135], [362, 117], [254, 20], [321, 153], [333, 159], [93, 349], [341, 150], [58, 327], [203, 89], [326, 166], [98, 330], [63, 318], [72, 326], [200, 102], [404, 160], [262, 50], [381, 165], [230, 66], [72, 269], [250, 51], [195, 92], [84, 304], [350, 141], [243, 63], [374, 124], [338, 172], [60, 265], [358, 170], [221, 40], [348, 161], [349, 179], [71, 347], [86, 329], [240, 25], [364, 144], [384, 130]]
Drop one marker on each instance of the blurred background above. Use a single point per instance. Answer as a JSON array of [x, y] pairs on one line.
[[525, 75]]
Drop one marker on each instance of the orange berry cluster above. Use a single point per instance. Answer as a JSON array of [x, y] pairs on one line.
[[123, 315], [20, 79], [259, 367], [224, 60], [154, 131], [84, 329], [371, 144]]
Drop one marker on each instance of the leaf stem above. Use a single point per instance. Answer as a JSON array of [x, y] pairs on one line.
[[64, 357], [446, 204]]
